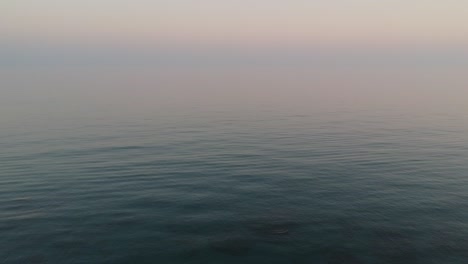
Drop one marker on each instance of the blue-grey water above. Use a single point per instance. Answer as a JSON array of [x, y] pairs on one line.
[[186, 166]]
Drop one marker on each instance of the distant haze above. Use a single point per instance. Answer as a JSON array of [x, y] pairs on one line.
[[193, 52], [255, 25]]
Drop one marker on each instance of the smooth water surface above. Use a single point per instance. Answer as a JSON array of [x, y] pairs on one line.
[[150, 167]]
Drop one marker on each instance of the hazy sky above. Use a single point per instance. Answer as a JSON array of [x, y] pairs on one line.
[[226, 23], [86, 29]]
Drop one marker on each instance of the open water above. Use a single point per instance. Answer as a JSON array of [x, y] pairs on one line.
[[233, 166]]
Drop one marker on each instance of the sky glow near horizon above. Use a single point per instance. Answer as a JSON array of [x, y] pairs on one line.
[[375, 52], [223, 23]]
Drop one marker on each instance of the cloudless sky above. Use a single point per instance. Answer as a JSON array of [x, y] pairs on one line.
[[252, 23], [83, 29]]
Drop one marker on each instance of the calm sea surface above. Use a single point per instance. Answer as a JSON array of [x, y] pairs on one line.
[[233, 166]]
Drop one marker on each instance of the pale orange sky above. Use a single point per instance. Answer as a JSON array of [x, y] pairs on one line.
[[254, 23]]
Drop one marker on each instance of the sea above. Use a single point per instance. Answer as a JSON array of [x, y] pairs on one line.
[[234, 164]]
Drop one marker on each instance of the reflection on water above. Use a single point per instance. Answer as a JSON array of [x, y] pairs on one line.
[[326, 178]]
